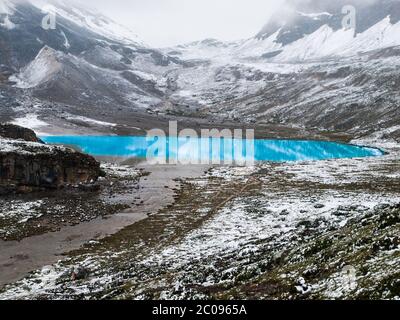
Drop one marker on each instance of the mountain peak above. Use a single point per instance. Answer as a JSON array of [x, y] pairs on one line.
[[299, 18], [77, 13], [91, 19]]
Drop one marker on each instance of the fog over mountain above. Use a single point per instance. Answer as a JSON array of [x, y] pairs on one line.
[[188, 20]]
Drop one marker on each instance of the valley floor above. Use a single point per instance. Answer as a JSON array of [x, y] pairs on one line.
[[309, 230]]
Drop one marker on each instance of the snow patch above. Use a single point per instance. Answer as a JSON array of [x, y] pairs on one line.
[[92, 121], [257, 47], [21, 210], [7, 23], [66, 42], [6, 7], [315, 16], [30, 121], [40, 70]]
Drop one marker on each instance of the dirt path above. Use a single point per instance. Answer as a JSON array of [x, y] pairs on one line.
[[156, 192]]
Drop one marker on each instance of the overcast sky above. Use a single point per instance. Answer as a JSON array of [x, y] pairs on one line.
[[169, 22]]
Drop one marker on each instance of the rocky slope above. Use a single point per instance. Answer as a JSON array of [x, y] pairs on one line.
[[10, 131]]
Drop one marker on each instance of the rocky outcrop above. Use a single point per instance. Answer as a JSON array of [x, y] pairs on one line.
[[11, 131], [32, 166]]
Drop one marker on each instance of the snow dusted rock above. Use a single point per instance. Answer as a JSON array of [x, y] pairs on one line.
[[27, 166], [80, 273], [10, 131]]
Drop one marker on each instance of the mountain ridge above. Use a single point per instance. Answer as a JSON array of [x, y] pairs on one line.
[[87, 75]]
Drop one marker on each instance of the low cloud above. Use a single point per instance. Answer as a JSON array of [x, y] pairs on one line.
[[163, 23]]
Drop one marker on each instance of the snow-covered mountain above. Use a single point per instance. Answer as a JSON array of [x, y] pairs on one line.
[[73, 34], [310, 30], [87, 62], [305, 34], [301, 69], [90, 19]]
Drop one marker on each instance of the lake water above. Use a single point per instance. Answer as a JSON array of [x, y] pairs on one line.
[[198, 149]]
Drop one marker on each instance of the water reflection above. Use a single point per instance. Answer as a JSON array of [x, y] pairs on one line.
[[198, 150]]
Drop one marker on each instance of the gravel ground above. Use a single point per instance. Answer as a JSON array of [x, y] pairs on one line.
[[23, 216]]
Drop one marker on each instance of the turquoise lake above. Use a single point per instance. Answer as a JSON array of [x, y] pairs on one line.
[[198, 149]]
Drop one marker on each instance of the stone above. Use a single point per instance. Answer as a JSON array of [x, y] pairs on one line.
[[79, 273]]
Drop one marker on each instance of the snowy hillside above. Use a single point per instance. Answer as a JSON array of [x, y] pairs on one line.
[[77, 29], [316, 30], [307, 71], [88, 60], [299, 36], [89, 18], [39, 70]]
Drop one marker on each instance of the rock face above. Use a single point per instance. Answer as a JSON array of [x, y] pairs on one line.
[[11, 131], [27, 166]]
